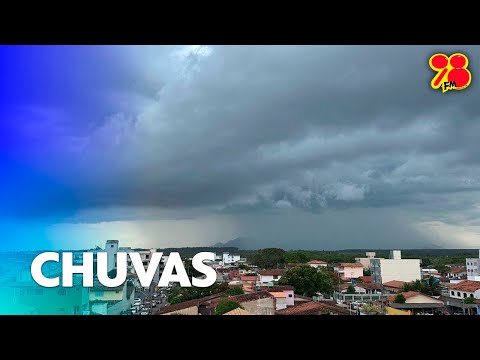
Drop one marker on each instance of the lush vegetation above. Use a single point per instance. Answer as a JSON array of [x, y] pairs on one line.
[[400, 299], [269, 258], [225, 306], [236, 290], [469, 300], [308, 281], [370, 309], [431, 286], [296, 257]]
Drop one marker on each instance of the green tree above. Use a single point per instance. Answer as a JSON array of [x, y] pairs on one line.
[[469, 300], [178, 294], [426, 261], [236, 290], [269, 258], [308, 281], [350, 289], [430, 286], [296, 257], [225, 306], [399, 299], [250, 274], [367, 272], [370, 309]]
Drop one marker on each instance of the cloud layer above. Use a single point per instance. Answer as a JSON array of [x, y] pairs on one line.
[[246, 129]]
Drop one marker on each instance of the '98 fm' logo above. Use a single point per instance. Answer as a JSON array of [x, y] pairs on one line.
[[452, 72]]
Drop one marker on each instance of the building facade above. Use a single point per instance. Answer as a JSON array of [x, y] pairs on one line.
[[395, 268], [365, 261], [473, 268], [347, 271]]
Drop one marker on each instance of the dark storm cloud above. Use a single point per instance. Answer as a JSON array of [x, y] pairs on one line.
[[261, 128]]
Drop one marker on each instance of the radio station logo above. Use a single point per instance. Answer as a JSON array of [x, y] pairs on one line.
[[452, 72]]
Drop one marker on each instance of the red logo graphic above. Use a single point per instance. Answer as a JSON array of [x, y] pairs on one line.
[[452, 72]]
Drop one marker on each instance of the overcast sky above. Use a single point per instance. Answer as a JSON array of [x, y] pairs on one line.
[[319, 147]]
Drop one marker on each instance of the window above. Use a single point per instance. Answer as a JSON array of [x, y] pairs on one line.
[[458, 293], [453, 293], [275, 277], [471, 295], [111, 246], [147, 256], [62, 292], [464, 295], [290, 295], [129, 263]]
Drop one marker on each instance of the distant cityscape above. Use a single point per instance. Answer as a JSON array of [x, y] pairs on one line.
[[267, 281]]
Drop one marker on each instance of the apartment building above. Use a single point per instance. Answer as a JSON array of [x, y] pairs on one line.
[[395, 268]]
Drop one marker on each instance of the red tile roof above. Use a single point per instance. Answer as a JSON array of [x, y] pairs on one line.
[[307, 308], [332, 308], [456, 271], [272, 272], [311, 308], [319, 262], [248, 278], [278, 294], [369, 286], [350, 265], [277, 288], [366, 279], [406, 294], [466, 285], [186, 304], [250, 297], [396, 284]]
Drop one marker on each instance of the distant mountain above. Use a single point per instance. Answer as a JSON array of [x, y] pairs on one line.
[[242, 243]]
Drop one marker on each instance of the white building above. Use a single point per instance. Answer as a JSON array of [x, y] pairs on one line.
[[465, 289], [395, 268], [230, 259], [317, 264], [473, 268], [366, 260], [267, 277], [111, 248]]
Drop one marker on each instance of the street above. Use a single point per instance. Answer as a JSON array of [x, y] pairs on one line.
[[149, 297]]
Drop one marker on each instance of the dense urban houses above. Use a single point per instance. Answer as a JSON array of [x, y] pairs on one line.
[[242, 288]]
